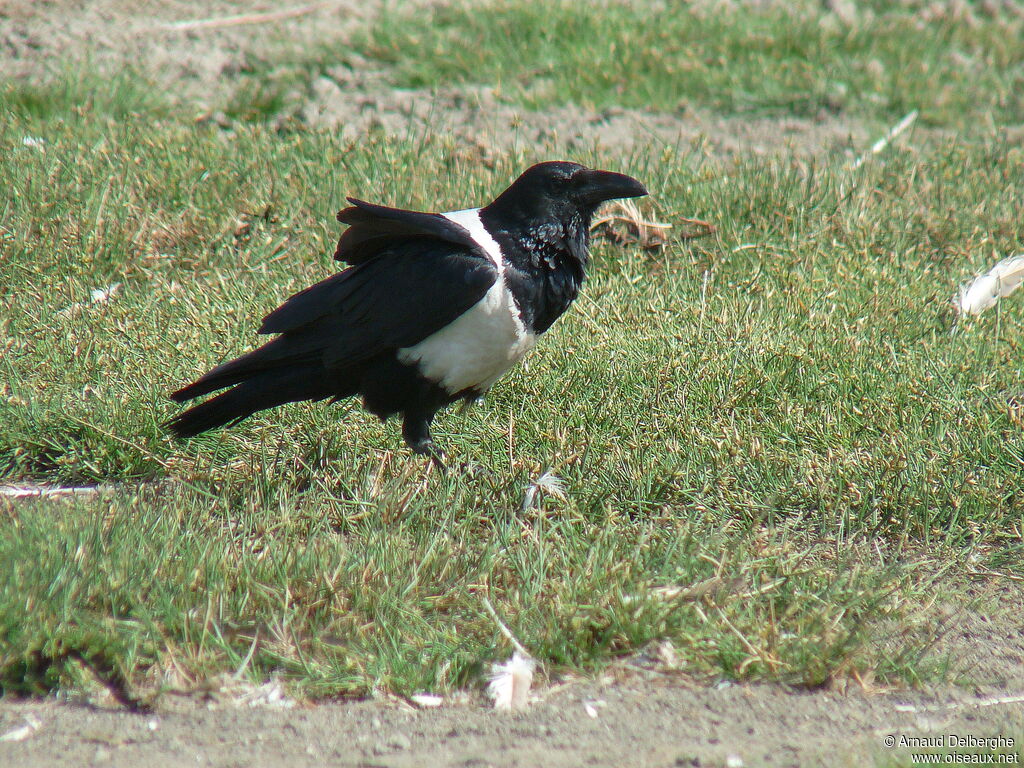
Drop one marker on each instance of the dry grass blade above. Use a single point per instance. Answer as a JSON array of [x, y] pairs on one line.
[[992, 701], [711, 588], [503, 628], [1015, 408], [623, 223], [245, 18], [880, 145], [995, 574], [40, 491], [704, 228]]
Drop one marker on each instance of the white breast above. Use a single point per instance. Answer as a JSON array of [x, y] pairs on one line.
[[482, 343]]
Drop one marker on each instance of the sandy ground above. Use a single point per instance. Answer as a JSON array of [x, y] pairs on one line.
[[638, 722], [645, 715]]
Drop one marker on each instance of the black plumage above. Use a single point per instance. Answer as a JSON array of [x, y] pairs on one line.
[[433, 309]]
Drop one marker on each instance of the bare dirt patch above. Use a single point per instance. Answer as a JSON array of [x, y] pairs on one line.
[[640, 720]]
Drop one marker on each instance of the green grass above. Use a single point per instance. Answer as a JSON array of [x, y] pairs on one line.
[[786, 408], [779, 59], [774, 60]]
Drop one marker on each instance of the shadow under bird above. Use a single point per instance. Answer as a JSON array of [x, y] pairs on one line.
[[434, 308]]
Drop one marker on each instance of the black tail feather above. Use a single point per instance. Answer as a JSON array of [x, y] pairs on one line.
[[278, 357], [264, 390], [227, 408], [222, 376]]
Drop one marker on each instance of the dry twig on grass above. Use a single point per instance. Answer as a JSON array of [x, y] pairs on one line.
[[711, 588], [48, 491], [992, 701], [882, 143], [623, 223], [241, 19], [503, 628], [706, 228]]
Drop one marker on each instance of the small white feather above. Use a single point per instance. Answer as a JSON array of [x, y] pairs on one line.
[[985, 290], [426, 700], [551, 483], [270, 695], [32, 724], [548, 482], [510, 682], [103, 295]]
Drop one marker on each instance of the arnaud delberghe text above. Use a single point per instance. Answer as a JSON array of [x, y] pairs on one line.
[[955, 741]]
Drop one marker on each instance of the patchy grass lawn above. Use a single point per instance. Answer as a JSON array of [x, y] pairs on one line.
[[784, 58], [960, 68], [786, 413]]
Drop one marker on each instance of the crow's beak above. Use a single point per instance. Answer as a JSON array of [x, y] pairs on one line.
[[598, 186]]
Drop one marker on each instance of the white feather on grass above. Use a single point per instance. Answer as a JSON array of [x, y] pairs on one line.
[[549, 483], [103, 295], [510, 682], [985, 290]]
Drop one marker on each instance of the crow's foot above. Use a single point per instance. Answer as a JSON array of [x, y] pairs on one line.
[[429, 448]]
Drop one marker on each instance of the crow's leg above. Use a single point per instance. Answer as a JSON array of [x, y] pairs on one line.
[[416, 431]]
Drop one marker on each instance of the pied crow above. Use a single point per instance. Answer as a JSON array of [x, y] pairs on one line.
[[434, 308]]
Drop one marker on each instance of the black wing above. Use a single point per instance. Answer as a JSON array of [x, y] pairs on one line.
[[383, 303], [374, 229]]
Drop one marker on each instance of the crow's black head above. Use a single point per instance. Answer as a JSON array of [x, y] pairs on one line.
[[560, 192]]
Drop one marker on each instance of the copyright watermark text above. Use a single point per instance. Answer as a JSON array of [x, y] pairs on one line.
[[954, 749]]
